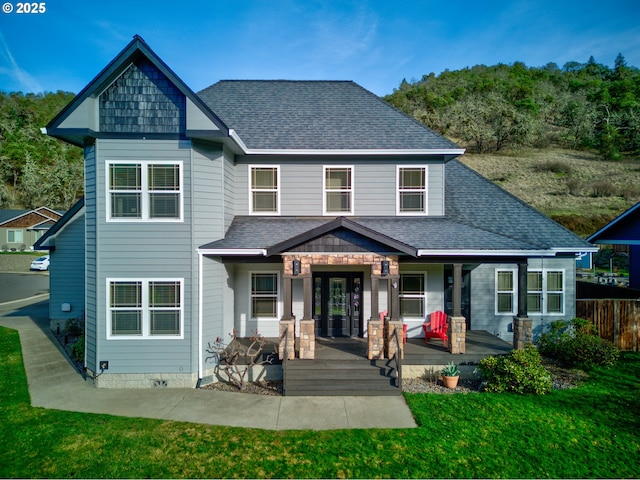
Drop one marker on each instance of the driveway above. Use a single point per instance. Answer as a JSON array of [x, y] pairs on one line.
[[16, 286]]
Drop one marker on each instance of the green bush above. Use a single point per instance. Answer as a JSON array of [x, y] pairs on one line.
[[77, 350], [521, 371], [577, 345]]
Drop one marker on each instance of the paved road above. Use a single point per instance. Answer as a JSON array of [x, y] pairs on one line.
[[14, 286]]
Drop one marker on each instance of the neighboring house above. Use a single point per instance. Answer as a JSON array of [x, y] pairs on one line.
[[20, 229], [624, 230], [252, 204]]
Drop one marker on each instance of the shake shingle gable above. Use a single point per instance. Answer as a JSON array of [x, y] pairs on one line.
[[316, 115]]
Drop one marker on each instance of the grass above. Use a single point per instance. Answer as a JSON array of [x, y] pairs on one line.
[[588, 432], [577, 189]]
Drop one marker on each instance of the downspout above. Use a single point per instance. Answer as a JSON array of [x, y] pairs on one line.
[[200, 320]]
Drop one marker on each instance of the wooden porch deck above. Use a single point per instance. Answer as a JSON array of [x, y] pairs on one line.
[[480, 344]]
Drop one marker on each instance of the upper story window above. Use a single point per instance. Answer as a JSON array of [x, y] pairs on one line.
[[149, 191], [412, 295], [264, 191], [151, 308], [412, 191], [338, 190]]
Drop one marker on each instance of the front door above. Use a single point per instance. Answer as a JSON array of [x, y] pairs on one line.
[[337, 304]]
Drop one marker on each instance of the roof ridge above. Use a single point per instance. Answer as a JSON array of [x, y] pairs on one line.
[[410, 117]]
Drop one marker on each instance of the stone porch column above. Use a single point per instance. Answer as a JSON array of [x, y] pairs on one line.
[[288, 338], [307, 339], [375, 338], [522, 332], [457, 342], [392, 346]]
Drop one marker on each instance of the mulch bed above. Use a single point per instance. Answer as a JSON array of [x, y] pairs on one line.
[[561, 378]]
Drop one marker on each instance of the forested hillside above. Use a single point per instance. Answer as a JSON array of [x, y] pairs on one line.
[[579, 106], [35, 169], [566, 140]]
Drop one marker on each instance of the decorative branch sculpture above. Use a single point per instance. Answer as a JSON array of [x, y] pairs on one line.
[[236, 359]]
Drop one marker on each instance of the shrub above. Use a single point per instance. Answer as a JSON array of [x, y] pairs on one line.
[[77, 350], [521, 371], [577, 345]]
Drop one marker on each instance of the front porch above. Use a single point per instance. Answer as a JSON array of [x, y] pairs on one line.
[[479, 344]]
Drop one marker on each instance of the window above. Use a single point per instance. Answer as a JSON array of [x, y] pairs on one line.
[[144, 191], [545, 292], [145, 308], [264, 192], [412, 295], [412, 190], [505, 292], [14, 236], [264, 295], [338, 190]]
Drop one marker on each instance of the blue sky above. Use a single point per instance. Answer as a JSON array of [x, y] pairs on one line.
[[375, 43]]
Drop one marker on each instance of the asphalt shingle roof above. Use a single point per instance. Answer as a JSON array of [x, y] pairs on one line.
[[318, 115], [479, 216]]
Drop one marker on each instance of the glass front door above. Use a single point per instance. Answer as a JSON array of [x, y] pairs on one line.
[[337, 304]]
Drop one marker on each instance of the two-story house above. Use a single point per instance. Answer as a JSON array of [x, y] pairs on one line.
[[257, 204]]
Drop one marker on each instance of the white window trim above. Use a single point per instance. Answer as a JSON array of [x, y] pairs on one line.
[[426, 191], [250, 188], [144, 200], [145, 309], [514, 292], [351, 191], [15, 230], [423, 296], [278, 296], [545, 292]]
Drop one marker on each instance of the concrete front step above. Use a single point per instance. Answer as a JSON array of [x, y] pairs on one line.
[[339, 377]]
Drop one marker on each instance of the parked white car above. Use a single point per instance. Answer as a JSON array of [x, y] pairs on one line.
[[40, 263]]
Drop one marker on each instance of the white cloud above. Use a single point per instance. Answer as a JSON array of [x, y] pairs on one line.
[[17, 75]]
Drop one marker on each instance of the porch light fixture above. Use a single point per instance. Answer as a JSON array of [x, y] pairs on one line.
[[296, 267], [385, 268]]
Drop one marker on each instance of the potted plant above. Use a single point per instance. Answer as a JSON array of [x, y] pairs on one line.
[[450, 375]]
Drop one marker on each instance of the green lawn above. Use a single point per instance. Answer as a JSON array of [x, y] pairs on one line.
[[592, 431]]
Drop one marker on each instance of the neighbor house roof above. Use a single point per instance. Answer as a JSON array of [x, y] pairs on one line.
[[317, 115], [624, 229], [480, 219], [43, 242], [41, 215]]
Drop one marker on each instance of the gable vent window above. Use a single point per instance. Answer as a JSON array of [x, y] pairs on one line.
[[264, 192], [412, 190], [338, 190], [150, 191]]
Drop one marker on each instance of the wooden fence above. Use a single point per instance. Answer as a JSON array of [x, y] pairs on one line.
[[617, 320]]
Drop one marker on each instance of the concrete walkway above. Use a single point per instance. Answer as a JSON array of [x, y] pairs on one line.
[[54, 383]]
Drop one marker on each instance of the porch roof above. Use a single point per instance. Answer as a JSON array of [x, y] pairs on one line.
[[408, 235]]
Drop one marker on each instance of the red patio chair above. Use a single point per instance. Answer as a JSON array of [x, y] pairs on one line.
[[436, 327]]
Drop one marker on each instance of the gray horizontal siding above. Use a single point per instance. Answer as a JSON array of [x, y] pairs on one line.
[[374, 184], [483, 294], [91, 314], [67, 271], [145, 250]]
